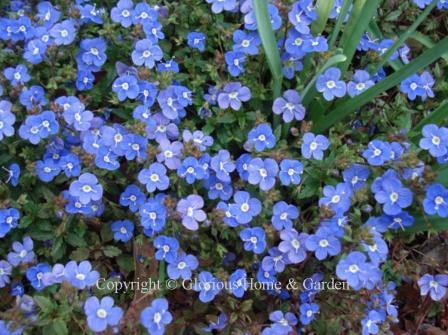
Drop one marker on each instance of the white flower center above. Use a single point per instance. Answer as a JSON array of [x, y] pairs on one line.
[[101, 313]]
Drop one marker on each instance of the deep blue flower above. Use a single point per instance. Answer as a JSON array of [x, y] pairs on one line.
[[82, 275], [144, 14], [238, 283], [197, 138], [33, 96], [191, 211], [126, 87], [167, 248], [40, 126], [63, 33], [435, 140], [18, 75], [146, 53], [47, 170], [196, 40], [71, 165], [283, 215], [323, 243], [360, 82], [9, 217], [307, 313], [123, 230], [132, 197], [223, 165], [314, 146], [337, 198], [191, 170], [35, 275], [353, 269], [5, 273], [235, 62], [154, 177], [436, 286], [13, 174], [436, 200], [378, 153], [169, 153], [393, 196], [232, 95], [293, 245], [315, 44], [261, 137], [207, 285], [290, 172], [155, 317], [254, 239], [276, 260], [329, 84], [101, 314], [413, 87], [282, 322], [153, 216], [123, 13], [289, 106], [35, 51], [218, 189], [370, 322], [246, 42], [182, 266], [7, 119], [219, 5], [263, 173], [245, 207], [86, 188], [356, 176], [376, 248]]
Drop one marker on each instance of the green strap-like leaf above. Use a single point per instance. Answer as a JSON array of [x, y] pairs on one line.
[[347, 107], [362, 12], [437, 117], [337, 28], [323, 8], [269, 43], [426, 41]]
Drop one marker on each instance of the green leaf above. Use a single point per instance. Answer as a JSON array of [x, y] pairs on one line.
[[437, 117], [269, 43], [111, 251], [348, 106], [339, 23], [404, 37], [362, 12], [323, 8], [427, 42], [45, 304], [59, 327]]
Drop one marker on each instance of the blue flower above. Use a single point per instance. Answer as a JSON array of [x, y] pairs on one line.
[[191, 170], [144, 14], [235, 62], [70, 165], [337, 198], [132, 197], [191, 212], [422, 3], [276, 260], [220, 324], [167, 248], [196, 40], [238, 283], [181, 266], [219, 5], [436, 286], [123, 230], [307, 312], [222, 165], [101, 314], [126, 87], [283, 215], [393, 196], [86, 188], [18, 75], [435, 140], [323, 243], [360, 82], [40, 126], [93, 52], [376, 248], [153, 216], [13, 174], [289, 106], [169, 153], [33, 96], [261, 137], [155, 317], [329, 84], [314, 146], [197, 138], [232, 95], [356, 176], [208, 286], [378, 153], [81, 276], [9, 217], [134, 146], [354, 269], [282, 322], [245, 207], [146, 53], [290, 172], [300, 18], [63, 33], [154, 177], [123, 13], [295, 42], [7, 119], [291, 64], [413, 87], [47, 170], [436, 200], [228, 219], [35, 51], [315, 44], [401, 220], [106, 159], [384, 46], [293, 245], [218, 189], [246, 42], [153, 31], [5, 273], [79, 119], [254, 239], [35, 275], [47, 13], [263, 173]]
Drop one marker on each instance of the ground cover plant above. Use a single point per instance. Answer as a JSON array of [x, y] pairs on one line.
[[195, 167]]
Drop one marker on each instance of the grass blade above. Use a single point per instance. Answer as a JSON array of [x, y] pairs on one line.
[[345, 108], [375, 32], [398, 43], [269, 42], [362, 12], [426, 41], [323, 8], [337, 28]]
